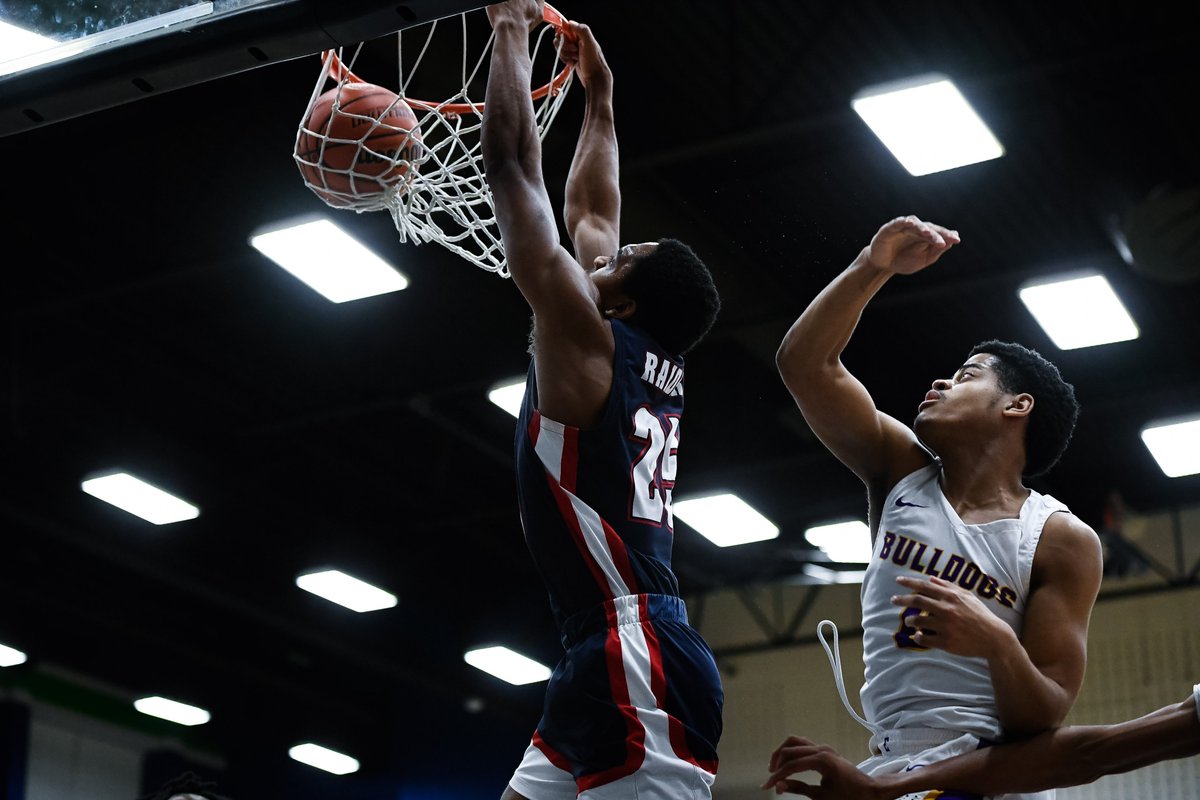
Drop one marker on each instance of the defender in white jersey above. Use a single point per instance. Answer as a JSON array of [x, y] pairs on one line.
[[978, 596], [1069, 756]]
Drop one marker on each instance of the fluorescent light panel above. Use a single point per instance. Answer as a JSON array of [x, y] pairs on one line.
[[927, 124], [139, 498], [845, 542], [172, 710], [725, 519], [345, 590], [1175, 445], [1079, 311], [329, 260], [22, 49], [508, 395], [10, 656], [17, 42], [507, 665], [323, 758]]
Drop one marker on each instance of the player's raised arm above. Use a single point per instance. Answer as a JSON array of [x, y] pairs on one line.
[[876, 447], [573, 342], [593, 199], [512, 158]]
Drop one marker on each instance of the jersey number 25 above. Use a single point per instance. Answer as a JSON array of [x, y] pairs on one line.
[[653, 472]]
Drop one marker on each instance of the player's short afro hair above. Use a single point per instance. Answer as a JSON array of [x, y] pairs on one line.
[[1055, 410], [677, 301]]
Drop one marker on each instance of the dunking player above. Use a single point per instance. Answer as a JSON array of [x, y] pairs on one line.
[[990, 639], [1069, 756], [634, 707]]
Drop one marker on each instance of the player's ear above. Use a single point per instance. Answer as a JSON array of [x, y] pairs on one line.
[[622, 309], [1019, 405]]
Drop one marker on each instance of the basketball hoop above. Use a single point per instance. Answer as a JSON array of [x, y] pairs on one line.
[[429, 176]]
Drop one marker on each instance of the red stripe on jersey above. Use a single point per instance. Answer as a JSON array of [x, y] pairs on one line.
[[635, 733], [569, 467], [568, 514], [620, 556], [568, 472], [553, 756]]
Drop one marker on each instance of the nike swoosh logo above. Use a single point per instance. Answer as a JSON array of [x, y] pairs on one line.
[[901, 504]]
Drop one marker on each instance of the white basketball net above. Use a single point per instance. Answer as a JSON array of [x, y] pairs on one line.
[[444, 195]]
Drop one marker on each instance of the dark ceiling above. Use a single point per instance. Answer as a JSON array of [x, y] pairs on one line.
[[143, 332]]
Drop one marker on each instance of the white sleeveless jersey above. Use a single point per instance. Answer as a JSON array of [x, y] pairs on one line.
[[920, 535]]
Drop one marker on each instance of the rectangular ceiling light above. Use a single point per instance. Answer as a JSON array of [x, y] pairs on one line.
[[1175, 445], [17, 43], [508, 395], [1078, 311], [22, 49], [507, 665], [329, 260], [140, 498], [323, 758], [844, 542], [10, 656], [172, 710], [725, 520], [338, 587], [927, 124]]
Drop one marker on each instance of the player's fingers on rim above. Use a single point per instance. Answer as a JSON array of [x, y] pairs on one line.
[[582, 31]]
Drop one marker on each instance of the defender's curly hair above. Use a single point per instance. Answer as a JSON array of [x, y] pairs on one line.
[[1055, 410], [677, 301]]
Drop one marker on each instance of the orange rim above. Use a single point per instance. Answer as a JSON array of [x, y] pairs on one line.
[[339, 72]]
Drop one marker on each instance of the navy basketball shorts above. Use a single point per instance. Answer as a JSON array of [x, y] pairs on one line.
[[632, 710]]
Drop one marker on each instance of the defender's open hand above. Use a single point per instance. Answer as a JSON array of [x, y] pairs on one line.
[[840, 780]]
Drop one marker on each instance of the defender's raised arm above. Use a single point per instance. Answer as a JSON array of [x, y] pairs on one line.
[[875, 446]]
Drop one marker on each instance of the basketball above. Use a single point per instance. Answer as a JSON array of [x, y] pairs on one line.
[[361, 149]]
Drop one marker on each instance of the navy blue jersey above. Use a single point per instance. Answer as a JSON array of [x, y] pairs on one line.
[[596, 504], [635, 704]]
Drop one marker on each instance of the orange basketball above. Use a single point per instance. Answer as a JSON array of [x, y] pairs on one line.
[[360, 149]]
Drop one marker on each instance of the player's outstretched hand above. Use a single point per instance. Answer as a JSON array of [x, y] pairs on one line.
[[527, 12], [840, 780], [907, 244], [580, 50], [949, 618]]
